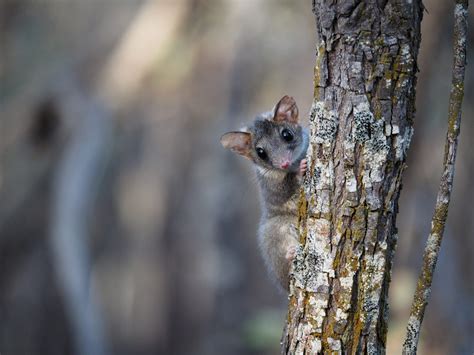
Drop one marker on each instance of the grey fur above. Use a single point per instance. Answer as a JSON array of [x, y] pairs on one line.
[[279, 188]]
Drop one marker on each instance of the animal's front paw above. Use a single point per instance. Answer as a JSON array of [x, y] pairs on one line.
[[291, 253], [303, 167]]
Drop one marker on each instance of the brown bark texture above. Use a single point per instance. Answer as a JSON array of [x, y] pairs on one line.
[[361, 126]]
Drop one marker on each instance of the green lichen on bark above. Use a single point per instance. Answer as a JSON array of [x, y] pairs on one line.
[[360, 129]]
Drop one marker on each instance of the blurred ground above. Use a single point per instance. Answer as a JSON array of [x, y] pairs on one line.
[[111, 113]]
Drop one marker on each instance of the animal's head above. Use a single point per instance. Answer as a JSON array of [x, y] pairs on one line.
[[274, 141]]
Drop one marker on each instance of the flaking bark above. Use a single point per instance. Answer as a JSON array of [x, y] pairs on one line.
[[361, 126], [433, 243]]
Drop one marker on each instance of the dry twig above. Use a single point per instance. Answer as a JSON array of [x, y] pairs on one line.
[[438, 222]]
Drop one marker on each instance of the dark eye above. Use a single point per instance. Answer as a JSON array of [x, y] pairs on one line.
[[261, 153], [287, 135]]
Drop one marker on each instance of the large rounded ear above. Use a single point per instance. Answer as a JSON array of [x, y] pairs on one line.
[[286, 110], [238, 142]]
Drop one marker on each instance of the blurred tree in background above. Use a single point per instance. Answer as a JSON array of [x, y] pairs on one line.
[[110, 116]]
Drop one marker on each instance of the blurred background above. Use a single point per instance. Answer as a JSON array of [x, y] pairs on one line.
[[114, 187]]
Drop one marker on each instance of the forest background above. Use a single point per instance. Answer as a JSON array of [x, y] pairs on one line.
[[133, 96]]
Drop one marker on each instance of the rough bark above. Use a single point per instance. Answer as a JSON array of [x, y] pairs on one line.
[[361, 126], [433, 243]]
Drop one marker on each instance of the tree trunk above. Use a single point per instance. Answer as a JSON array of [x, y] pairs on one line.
[[361, 126]]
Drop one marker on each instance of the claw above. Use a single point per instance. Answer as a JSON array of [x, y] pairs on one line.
[[303, 167], [290, 253]]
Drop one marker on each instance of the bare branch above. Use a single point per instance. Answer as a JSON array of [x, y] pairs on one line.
[[438, 222]]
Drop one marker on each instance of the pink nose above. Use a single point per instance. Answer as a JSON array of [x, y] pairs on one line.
[[285, 164]]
